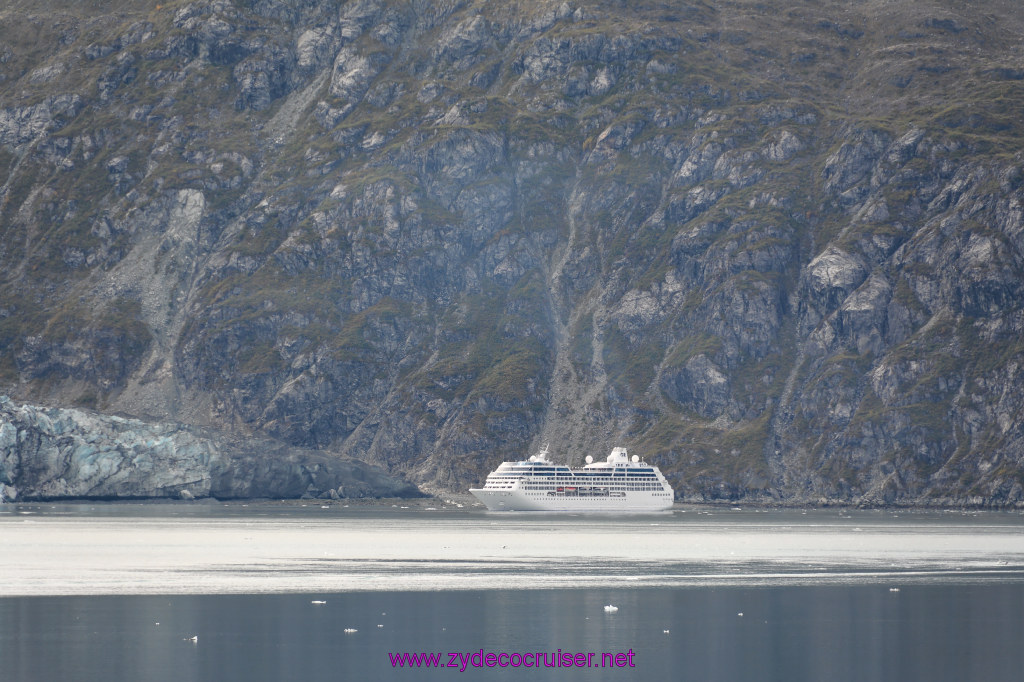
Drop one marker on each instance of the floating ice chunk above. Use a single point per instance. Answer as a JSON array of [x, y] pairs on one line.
[[610, 609]]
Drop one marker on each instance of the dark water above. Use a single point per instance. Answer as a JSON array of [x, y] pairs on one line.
[[828, 595], [856, 632]]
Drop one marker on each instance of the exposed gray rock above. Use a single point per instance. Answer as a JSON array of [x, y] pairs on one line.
[[698, 385], [23, 124]]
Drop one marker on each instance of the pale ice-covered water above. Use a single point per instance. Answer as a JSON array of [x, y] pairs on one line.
[[211, 592], [267, 548]]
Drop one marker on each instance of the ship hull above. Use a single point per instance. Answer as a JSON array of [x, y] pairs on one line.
[[519, 500]]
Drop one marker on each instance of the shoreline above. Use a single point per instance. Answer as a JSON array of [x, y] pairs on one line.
[[466, 502]]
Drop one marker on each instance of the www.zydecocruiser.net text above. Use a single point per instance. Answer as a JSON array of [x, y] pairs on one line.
[[463, 660]]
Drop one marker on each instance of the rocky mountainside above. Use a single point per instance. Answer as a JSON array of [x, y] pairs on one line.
[[774, 247]]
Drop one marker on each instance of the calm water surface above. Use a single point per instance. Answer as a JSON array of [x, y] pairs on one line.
[[824, 595]]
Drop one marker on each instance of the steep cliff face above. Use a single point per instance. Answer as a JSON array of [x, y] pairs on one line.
[[777, 250]]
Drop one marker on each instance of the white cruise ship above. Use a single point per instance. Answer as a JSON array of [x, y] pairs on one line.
[[617, 484]]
